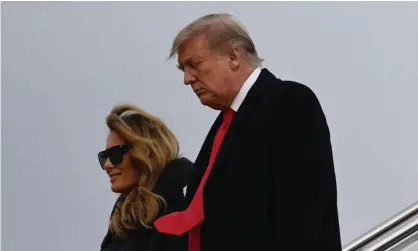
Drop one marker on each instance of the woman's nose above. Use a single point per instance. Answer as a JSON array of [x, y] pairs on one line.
[[107, 165]]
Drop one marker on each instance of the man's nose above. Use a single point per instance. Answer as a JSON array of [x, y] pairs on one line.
[[189, 78]]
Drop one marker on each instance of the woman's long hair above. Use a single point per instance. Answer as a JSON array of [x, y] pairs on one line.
[[153, 145]]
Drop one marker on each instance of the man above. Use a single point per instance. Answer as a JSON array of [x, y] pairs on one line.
[[264, 177]]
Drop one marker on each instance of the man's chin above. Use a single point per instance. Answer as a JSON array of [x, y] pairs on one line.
[[210, 104], [205, 101]]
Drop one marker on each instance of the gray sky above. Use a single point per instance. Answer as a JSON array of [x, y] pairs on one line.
[[64, 65]]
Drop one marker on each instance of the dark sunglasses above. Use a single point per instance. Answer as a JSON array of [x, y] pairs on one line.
[[114, 154]]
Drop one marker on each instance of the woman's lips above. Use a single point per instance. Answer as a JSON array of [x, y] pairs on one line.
[[114, 176]]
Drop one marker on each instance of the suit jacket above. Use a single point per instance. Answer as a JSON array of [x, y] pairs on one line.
[[273, 183]]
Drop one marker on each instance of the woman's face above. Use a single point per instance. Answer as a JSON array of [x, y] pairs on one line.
[[123, 176]]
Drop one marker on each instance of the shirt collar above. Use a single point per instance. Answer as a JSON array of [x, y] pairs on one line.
[[245, 89]]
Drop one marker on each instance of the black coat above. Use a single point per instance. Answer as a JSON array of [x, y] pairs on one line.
[[170, 185], [272, 186]]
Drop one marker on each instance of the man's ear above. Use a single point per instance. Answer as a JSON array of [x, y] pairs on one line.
[[235, 57]]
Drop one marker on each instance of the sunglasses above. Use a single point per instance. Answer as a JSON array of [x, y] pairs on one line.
[[114, 154]]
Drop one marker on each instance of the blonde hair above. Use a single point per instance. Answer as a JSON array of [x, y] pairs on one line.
[[153, 145], [222, 30]]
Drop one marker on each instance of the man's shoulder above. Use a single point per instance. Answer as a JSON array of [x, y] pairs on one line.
[[290, 91], [286, 88]]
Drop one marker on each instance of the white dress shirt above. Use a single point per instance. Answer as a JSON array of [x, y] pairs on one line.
[[245, 89]]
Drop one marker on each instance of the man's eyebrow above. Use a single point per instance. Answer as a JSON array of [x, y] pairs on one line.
[[180, 66], [188, 61]]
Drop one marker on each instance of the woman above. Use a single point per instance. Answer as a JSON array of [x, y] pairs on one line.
[[143, 163]]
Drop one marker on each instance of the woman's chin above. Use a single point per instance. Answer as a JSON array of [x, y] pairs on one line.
[[116, 188]]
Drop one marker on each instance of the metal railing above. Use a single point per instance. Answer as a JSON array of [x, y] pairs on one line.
[[399, 231]]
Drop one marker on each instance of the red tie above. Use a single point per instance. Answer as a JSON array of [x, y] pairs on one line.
[[178, 223]]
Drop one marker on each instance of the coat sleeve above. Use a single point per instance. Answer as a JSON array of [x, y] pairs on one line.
[[166, 242], [302, 171]]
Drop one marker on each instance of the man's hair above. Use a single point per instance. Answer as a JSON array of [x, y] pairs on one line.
[[223, 31]]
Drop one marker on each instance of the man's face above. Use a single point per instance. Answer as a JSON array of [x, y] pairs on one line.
[[207, 72]]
